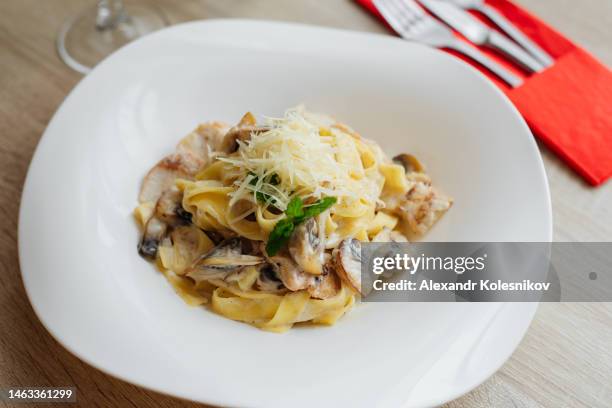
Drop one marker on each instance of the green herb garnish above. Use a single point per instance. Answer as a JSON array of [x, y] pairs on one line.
[[295, 208], [280, 235], [318, 207], [296, 214]]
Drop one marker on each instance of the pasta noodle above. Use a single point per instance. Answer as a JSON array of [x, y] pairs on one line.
[[261, 221]]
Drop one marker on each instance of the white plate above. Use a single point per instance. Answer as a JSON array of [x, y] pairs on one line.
[[77, 239]]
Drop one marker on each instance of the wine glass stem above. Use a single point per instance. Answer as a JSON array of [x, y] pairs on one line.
[[109, 13]]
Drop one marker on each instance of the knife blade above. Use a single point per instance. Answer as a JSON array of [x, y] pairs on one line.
[[478, 33]]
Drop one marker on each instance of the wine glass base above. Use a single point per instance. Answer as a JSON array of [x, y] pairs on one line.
[[82, 44]]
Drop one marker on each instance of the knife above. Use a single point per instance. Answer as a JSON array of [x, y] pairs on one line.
[[478, 33]]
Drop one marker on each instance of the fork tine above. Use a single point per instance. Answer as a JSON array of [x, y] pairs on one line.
[[408, 8], [388, 11], [411, 22], [413, 7], [399, 15], [403, 12]]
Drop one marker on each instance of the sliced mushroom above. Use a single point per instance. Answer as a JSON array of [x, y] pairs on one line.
[[289, 272], [390, 236], [159, 184], [230, 141], [169, 208], [154, 232], [347, 259], [248, 119], [184, 215], [409, 163], [325, 285], [168, 213], [241, 132], [268, 280], [227, 257], [307, 248], [293, 278], [215, 237]]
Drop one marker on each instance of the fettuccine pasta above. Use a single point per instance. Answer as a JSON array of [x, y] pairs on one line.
[[263, 222]]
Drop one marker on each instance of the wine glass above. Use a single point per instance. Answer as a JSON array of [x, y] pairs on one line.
[[97, 31]]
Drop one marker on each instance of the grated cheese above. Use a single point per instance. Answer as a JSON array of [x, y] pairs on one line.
[[310, 159]]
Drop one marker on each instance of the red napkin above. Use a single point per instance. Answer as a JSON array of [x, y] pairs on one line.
[[569, 105]]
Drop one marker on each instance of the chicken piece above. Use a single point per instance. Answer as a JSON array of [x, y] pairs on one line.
[[421, 207], [192, 153], [159, 185], [203, 141], [162, 177]]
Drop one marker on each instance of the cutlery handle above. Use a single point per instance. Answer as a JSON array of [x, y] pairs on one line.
[[506, 46], [516, 35], [483, 60]]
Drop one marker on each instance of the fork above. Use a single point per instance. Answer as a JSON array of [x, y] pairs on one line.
[[507, 27], [411, 22]]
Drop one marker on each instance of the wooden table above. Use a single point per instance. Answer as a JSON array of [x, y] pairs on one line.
[[565, 359]]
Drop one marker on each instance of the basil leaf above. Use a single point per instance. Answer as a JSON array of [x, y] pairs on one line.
[[318, 207], [279, 236], [295, 208], [296, 214]]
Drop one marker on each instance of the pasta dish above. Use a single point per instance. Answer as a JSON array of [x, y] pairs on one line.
[[264, 222]]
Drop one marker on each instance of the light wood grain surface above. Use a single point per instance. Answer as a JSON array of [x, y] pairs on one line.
[[565, 359]]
